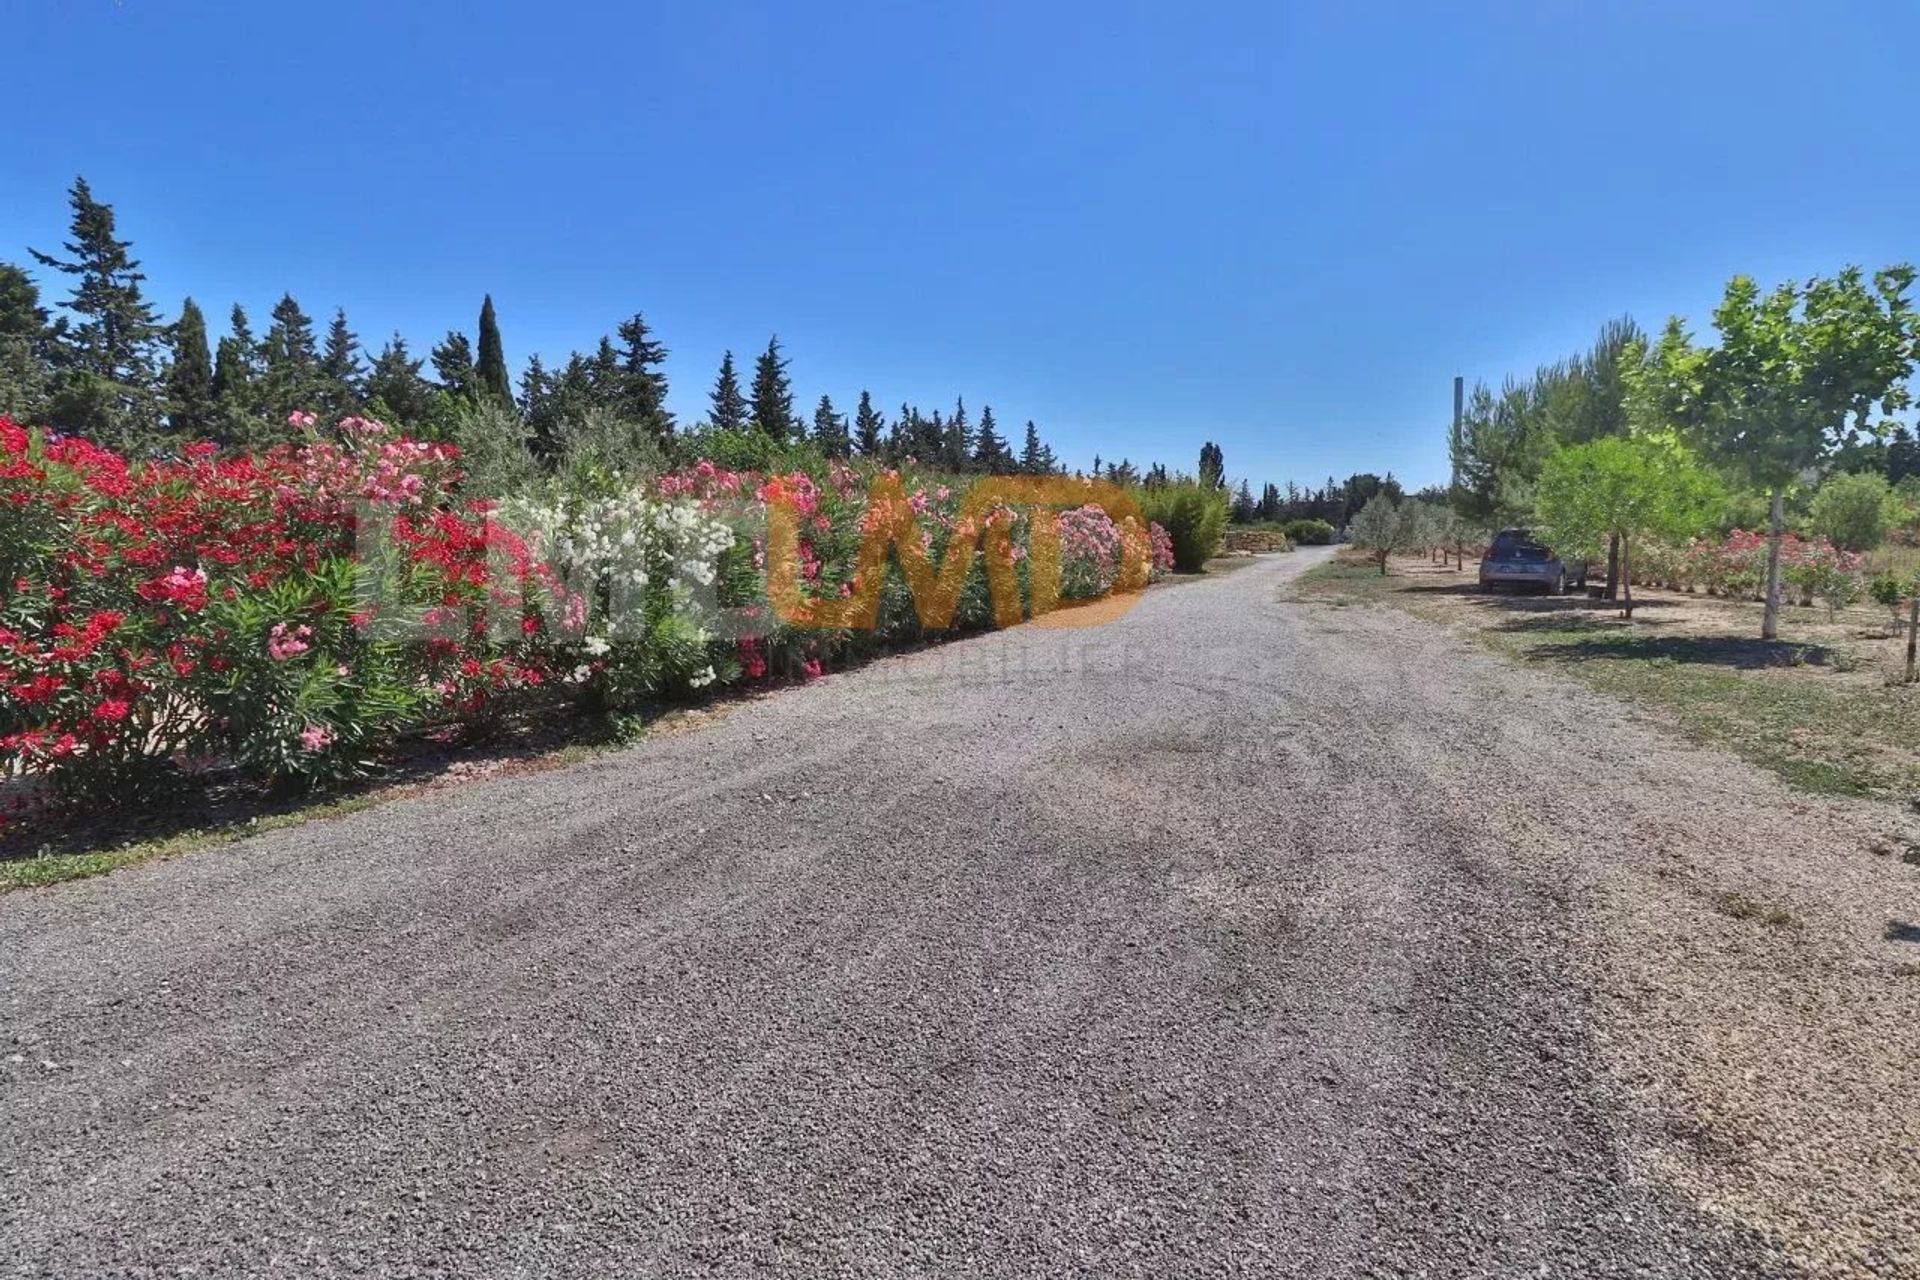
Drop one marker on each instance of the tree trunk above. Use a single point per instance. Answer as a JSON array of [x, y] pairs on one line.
[[1626, 576], [1777, 521], [1613, 567], [1913, 633]]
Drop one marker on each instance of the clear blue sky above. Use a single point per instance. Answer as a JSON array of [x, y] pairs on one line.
[[1280, 226]]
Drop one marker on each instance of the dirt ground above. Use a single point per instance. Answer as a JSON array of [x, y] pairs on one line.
[[1823, 706]]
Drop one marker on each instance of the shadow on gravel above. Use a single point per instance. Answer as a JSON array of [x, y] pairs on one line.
[[1721, 651], [1902, 931]]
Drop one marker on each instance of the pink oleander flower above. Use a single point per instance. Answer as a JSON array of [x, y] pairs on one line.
[[316, 737], [284, 642]]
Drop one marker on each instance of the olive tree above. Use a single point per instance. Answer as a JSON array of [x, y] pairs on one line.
[[1797, 376], [1383, 527], [1614, 488]]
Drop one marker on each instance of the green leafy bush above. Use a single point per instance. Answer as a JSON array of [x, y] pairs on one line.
[[1195, 516], [1309, 533]]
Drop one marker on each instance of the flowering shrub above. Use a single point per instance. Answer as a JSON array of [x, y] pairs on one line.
[[159, 617], [1736, 566], [285, 614]]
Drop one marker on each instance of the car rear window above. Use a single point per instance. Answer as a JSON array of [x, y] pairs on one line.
[[1509, 546]]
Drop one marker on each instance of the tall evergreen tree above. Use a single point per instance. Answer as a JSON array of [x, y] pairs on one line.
[[492, 364], [292, 360], [109, 389], [341, 371], [643, 386], [990, 452], [771, 403], [452, 359], [114, 338], [236, 383], [603, 376], [190, 404], [867, 426], [1213, 466], [830, 430], [395, 387], [26, 349], [729, 406], [1036, 457], [536, 410], [957, 441]]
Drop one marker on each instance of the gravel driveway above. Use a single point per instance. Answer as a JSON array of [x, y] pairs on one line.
[[1237, 937]]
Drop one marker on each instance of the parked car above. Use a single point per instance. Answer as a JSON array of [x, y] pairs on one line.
[[1515, 558]]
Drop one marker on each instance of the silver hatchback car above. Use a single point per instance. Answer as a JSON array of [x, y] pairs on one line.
[[1515, 559]]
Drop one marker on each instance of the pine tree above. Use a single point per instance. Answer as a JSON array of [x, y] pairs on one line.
[[1036, 457], [115, 336], [292, 379], [771, 403], [190, 404], [990, 452], [729, 407], [867, 426], [492, 364], [26, 346], [1244, 508], [452, 359], [536, 409], [830, 430], [395, 388], [643, 387], [341, 371], [236, 384], [902, 434], [602, 376], [957, 442], [110, 388]]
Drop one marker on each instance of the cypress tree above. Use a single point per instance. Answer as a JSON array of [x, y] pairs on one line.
[[729, 407], [771, 403], [190, 405], [492, 366], [867, 426], [643, 387], [830, 430], [1213, 466], [452, 359]]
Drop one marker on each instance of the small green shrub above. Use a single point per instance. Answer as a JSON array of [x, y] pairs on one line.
[[1308, 533], [1194, 516]]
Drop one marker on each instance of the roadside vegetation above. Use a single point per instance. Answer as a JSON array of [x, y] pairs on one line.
[[269, 571], [1748, 512]]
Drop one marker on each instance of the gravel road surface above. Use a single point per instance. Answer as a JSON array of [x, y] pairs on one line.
[[1239, 936]]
